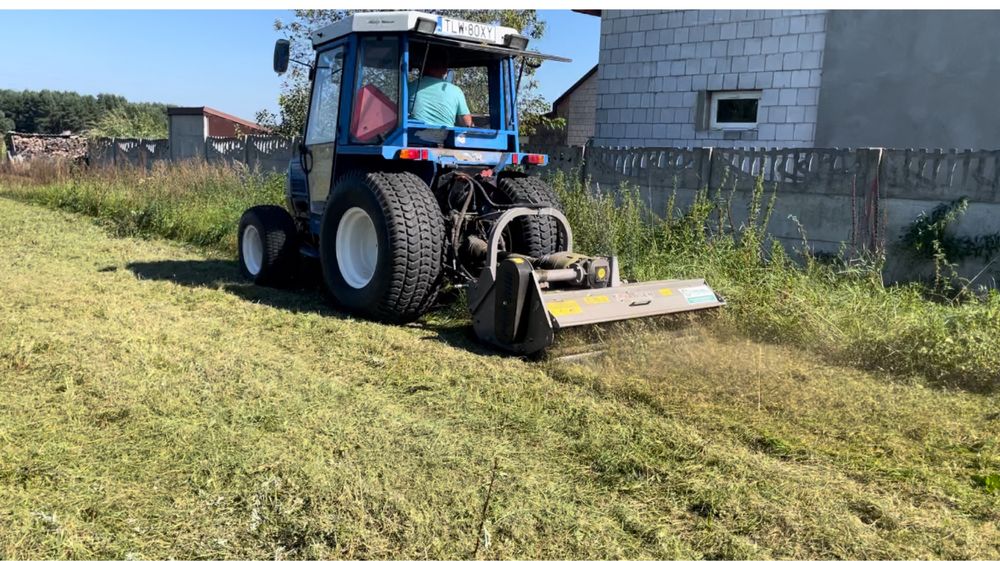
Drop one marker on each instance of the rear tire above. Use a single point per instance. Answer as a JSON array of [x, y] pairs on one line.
[[534, 236], [266, 244], [382, 245]]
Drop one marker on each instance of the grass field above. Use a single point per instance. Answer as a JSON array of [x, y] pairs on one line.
[[154, 405]]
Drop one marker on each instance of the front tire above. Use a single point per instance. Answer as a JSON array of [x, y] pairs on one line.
[[382, 245], [266, 244]]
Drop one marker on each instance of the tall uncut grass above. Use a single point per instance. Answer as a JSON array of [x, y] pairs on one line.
[[194, 203], [842, 312]]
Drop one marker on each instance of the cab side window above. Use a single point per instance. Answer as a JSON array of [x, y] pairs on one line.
[[325, 103]]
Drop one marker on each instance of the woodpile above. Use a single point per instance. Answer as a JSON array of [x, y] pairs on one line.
[[27, 146]]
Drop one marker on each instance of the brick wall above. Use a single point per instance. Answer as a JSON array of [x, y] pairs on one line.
[[653, 64], [579, 109]]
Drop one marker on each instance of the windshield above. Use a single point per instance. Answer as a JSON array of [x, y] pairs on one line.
[[447, 83]]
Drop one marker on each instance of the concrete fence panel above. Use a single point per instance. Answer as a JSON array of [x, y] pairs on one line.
[[153, 151], [567, 159], [269, 153], [127, 152], [917, 181], [226, 151], [656, 173], [825, 194], [101, 152], [261, 152], [942, 175]]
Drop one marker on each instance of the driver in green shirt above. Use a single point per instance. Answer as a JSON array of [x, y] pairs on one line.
[[438, 102]]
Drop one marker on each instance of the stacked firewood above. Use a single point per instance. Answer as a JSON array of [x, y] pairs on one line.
[[58, 146]]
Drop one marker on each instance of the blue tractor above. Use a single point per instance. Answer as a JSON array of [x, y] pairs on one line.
[[395, 208]]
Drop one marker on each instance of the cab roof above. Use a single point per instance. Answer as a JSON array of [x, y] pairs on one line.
[[408, 21]]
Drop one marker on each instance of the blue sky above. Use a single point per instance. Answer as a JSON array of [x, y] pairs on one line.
[[217, 58]]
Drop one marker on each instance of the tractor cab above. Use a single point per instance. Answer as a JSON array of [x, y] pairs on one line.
[[365, 78]]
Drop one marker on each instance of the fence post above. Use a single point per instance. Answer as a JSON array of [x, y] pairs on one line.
[[706, 168]]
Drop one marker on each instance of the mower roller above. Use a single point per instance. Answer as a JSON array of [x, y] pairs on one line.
[[395, 208]]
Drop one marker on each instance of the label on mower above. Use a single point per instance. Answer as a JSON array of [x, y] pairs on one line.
[[698, 295], [666, 292], [600, 299], [563, 308]]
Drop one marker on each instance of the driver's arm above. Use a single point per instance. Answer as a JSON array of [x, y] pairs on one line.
[[464, 115]]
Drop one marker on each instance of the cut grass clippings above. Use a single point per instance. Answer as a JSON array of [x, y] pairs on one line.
[[155, 405]]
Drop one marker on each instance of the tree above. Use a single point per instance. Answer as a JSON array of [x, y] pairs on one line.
[[294, 97], [54, 112], [137, 120], [6, 123]]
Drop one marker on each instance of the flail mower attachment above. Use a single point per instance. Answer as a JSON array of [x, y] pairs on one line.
[[518, 303]]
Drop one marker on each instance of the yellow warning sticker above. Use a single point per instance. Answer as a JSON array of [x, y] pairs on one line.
[[563, 308], [517, 260], [666, 291], [600, 299], [601, 273]]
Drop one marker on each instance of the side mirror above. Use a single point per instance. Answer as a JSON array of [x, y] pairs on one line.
[[282, 52]]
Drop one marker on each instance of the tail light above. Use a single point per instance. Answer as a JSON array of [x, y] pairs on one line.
[[413, 154], [534, 159]]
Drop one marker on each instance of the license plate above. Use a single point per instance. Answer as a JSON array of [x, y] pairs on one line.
[[467, 29]]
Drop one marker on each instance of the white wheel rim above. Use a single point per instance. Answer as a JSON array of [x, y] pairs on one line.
[[253, 250], [357, 247]]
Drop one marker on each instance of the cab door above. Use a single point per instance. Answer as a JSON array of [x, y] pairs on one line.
[[321, 129]]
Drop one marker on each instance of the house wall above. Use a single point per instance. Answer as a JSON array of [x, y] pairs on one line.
[[911, 79], [579, 109], [653, 63]]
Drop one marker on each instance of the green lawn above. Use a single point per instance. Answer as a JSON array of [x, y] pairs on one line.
[[154, 405]]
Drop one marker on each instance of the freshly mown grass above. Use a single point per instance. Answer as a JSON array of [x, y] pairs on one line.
[[155, 405], [841, 310]]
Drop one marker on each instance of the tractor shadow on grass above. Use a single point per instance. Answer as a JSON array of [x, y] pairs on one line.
[[304, 294], [301, 295]]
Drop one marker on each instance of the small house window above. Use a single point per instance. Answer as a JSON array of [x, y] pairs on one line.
[[734, 110]]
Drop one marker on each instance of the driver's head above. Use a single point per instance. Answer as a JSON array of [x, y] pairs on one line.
[[437, 63]]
